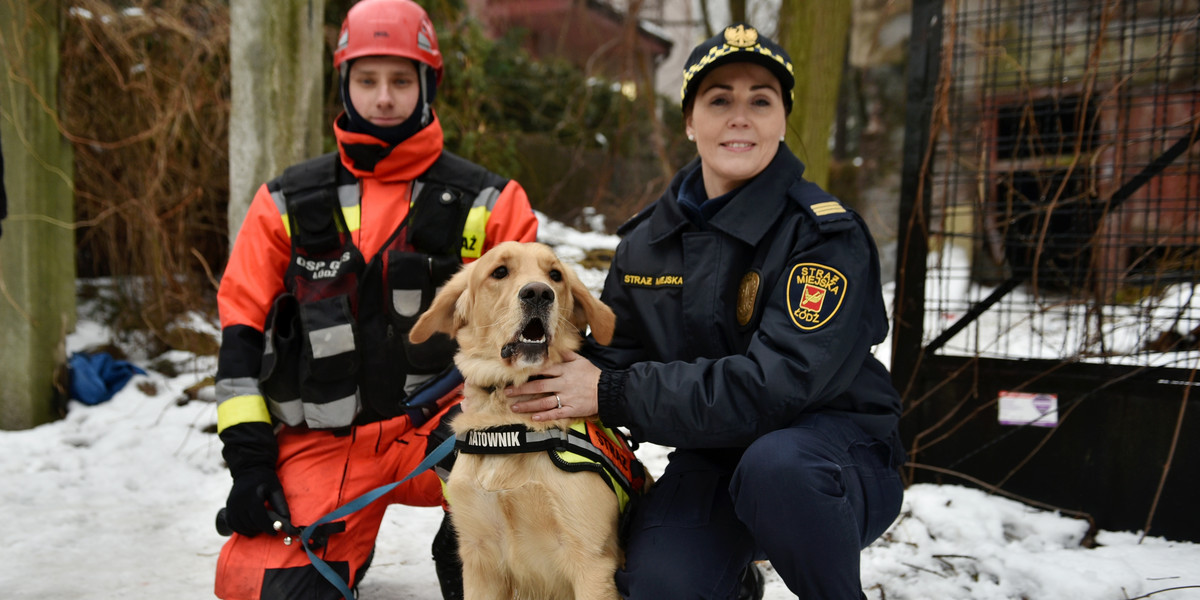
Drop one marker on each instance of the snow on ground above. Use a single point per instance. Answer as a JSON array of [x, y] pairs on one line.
[[118, 501]]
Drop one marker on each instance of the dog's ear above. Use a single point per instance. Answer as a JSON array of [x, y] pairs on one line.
[[443, 315], [590, 311]]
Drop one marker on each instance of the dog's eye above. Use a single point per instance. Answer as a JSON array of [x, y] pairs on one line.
[[555, 275], [500, 273]]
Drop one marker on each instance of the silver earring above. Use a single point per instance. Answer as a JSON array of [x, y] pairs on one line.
[[691, 138], [782, 137]]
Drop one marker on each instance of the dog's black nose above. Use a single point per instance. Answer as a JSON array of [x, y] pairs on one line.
[[537, 294]]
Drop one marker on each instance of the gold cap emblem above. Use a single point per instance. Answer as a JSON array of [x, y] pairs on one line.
[[741, 36]]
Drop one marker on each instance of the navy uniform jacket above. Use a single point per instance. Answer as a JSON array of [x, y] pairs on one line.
[[730, 332]]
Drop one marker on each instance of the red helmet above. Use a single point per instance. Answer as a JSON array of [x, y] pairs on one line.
[[388, 28]]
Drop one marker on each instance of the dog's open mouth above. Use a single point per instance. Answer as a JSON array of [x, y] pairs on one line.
[[530, 344]]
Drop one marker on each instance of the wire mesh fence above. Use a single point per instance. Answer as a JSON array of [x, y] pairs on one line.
[[1050, 244], [1052, 111]]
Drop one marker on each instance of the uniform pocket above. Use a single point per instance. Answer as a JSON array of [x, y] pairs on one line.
[[330, 363], [279, 377], [882, 488], [412, 281], [408, 285]]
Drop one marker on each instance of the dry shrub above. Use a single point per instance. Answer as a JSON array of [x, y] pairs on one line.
[[145, 101]]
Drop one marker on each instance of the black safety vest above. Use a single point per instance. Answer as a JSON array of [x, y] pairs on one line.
[[337, 349]]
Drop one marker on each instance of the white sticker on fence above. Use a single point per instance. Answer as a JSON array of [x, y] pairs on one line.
[[1018, 408]]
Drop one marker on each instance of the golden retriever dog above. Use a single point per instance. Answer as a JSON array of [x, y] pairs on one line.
[[526, 528]]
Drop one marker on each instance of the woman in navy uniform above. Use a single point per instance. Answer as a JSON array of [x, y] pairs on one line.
[[747, 303]]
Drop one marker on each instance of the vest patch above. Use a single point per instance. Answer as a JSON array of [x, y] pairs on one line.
[[653, 281], [321, 269], [814, 294], [495, 439]]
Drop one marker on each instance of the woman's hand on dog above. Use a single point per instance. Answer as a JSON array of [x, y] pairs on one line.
[[572, 383]]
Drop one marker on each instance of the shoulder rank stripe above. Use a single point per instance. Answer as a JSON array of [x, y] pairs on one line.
[[827, 208]]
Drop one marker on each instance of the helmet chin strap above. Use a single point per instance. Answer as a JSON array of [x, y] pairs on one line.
[[426, 106]]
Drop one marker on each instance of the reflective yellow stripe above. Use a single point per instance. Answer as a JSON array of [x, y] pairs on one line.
[[827, 208], [474, 232], [353, 216], [571, 457], [242, 409]]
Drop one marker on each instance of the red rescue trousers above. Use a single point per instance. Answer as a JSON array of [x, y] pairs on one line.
[[320, 471]]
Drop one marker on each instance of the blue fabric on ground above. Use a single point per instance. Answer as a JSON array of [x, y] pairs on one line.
[[95, 378]]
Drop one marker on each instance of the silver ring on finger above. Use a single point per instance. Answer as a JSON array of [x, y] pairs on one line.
[[559, 400]]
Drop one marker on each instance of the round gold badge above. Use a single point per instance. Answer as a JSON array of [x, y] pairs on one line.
[[747, 295]]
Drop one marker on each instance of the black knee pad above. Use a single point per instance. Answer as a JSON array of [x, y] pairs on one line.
[[446, 561]]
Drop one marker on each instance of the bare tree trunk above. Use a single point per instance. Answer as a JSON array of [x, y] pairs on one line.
[[707, 17], [737, 11], [815, 34], [277, 86], [37, 250]]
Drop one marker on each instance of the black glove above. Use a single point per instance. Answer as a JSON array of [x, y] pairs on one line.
[[250, 450], [253, 493]]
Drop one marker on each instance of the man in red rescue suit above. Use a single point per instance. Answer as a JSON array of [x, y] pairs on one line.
[[334, 263]]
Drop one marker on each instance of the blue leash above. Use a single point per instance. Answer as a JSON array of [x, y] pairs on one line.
[[358, 503]]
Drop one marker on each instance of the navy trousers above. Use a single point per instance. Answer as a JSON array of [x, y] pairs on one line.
[[808, 498]]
